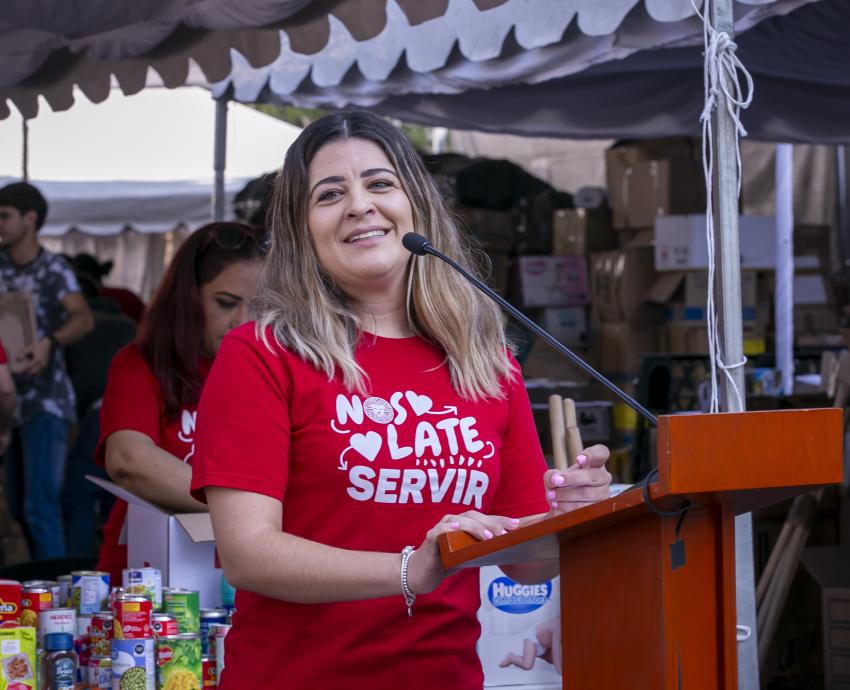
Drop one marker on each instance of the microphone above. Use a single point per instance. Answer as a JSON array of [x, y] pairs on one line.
[[418, 245]]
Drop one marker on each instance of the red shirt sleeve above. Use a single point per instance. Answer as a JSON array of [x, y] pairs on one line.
[[243, 431], [132, 400], [3, 358], [520, 491]]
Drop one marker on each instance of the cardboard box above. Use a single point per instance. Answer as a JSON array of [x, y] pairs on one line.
[[815, 318], [647, 189], [511, 613], [580, 231], [181, 545], [621, 283], [812, 248], [568, 325], [696, 288], [830, 567], [494, 229], [18, 329], [812, 289], [680, 242], [544, 362], [621, 345], [552, 281]]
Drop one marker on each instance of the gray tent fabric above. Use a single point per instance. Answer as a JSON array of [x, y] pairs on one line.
[[330, 52]]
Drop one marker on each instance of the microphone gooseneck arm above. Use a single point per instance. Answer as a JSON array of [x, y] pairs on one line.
[[420, 246]]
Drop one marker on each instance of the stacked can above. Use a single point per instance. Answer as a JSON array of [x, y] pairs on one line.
[[217, 633], [56, 621], [208, 672], [164, 625], [34, 599], [101, 633], [133, 648], [184, 605], [147, 581], [82, 643], [64, 590], [89, 590], [210, 617], [100, 672], [52, 585]]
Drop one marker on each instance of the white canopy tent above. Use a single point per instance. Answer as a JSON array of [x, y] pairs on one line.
[[122, 177]]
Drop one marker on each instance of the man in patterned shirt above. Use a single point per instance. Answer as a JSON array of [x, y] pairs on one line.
[[35, 462]]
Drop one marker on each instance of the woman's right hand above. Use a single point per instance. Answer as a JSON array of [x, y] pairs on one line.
[[425, 569]]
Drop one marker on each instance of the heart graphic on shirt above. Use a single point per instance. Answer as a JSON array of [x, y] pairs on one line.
[[367, 444], [420, 404]]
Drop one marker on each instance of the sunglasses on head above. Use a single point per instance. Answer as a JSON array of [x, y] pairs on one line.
[[233, 237]]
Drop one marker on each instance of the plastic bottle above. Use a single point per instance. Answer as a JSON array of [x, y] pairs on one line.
[[59, 662], [228, 594]]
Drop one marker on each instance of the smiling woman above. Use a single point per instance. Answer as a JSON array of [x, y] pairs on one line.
[[376, 399]]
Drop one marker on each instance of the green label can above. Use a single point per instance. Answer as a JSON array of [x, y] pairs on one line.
[[179, 664], [184, 605]]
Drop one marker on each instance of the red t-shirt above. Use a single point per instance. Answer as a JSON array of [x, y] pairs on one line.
[[133, 401], [3, 358], [370, 473]]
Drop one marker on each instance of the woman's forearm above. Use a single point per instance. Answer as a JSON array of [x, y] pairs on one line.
[[153, 474]]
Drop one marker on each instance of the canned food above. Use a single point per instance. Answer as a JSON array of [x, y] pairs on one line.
[[89, 590], [132, 617], [84, 624], [184, 605], [64, 589], [56, 621], [178, 660], [33, 600], [99, 673], [210, 617], [208, 672], [10, 602], [52, 585], [133, 665], [218, 631], [163, 624], [101, 633], [146, 581]]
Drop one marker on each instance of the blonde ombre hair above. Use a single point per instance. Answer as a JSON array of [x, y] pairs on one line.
[[309, 314]]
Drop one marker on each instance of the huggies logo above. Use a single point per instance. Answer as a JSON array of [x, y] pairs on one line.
[[512, 597]]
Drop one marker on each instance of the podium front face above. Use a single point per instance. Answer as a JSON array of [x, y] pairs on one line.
[[648, 589]]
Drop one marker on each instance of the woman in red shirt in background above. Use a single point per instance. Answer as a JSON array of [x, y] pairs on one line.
[[373, 406], [148, 415]]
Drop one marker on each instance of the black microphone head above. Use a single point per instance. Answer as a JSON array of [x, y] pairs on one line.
[[415, 244]]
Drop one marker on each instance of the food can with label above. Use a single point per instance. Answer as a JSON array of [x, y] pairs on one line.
[[64, 590], [83, 624], [146, 581], [164, 625], [178, 660], [208, 672], [56, 621], [101, 633], [184, 605], [10, 601], [33, 600], [99, 672], [52, 585], [132, 617], [210, 617], [133, 665], [218, 632], [89, 590]]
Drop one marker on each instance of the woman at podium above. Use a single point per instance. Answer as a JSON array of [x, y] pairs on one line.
[[372, 406]]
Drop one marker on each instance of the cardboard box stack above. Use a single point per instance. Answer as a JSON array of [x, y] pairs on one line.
[[494, 230], [816, 313]]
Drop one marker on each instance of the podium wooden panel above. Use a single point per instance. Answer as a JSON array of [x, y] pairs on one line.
[[648, 601]]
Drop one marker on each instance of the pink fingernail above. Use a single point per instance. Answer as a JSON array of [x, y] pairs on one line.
[[581, 459], [554, 504], [551, 495], [558, 480], [454, 525], [488, 534]]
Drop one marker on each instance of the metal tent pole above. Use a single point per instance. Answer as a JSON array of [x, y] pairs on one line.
[[784, 290], [219, 158], [732, 339], [25, 150]]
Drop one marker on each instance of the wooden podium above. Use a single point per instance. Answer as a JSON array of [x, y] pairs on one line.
[[648, 599]]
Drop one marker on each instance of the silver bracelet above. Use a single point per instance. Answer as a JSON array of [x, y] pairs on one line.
[[409, 596]]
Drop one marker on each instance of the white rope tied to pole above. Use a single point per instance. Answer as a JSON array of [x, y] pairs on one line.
[[721, 74]]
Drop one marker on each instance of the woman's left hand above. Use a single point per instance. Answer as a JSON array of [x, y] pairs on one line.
[[585, 482]]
